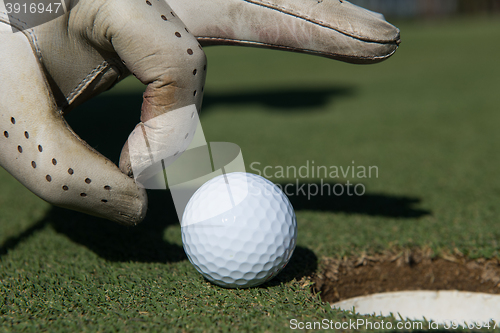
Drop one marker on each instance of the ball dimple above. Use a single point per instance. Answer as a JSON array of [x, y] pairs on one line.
[[227, 279], [261, 274], [271, 215], [280, 249], [219, 260], [284, 230], [264, 259], [236, 246], [223, 271], [209, 256], [269, 238], [233, 266], [197, 262], [275, 226], [268, 265], [257, 268], [245, 266], [249, 275], [241, 282]]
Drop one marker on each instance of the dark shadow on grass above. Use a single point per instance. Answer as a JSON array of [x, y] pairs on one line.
[[303, 263], [111, 241], [297, 100], [335, 198], [105, 122], [12, 242], [142, 243], [145, 243]]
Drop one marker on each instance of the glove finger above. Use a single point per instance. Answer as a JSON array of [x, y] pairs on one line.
[[41, 151], [333, 29], [160, 51]]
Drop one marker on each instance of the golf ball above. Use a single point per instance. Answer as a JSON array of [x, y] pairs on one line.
[[239, 230]]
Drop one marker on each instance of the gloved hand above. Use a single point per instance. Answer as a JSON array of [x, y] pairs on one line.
[[47, 70]]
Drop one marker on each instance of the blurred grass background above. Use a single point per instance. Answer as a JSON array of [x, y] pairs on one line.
[[427, 118]]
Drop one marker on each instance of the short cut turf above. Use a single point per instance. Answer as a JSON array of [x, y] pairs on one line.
[[427, 118]]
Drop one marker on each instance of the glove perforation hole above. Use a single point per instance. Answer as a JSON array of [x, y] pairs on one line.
[[186, 30], [54, 161], [13, 120], [149, 3], [26, 135], [48, 178], [65, 188], [83, 195], [40, 148], [107, 188], [20, 149], [178, 34], [195, 71], [194, 93], [6, 134], [104, 200], [190, 52], [172, 14], [70, 171], [164, 18], [33, 164], [88, 180]]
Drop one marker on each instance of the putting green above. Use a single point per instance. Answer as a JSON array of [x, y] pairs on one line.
[[426, 118]]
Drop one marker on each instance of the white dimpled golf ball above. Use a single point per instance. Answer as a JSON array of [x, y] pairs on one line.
[[239, 230]]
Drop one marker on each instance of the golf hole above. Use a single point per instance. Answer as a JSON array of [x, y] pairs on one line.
[[414, 285], [443, 307]]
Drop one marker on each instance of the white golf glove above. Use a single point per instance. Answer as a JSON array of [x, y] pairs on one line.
[[46, 69]]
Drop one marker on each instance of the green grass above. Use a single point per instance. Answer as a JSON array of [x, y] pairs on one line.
[[427, 118]]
